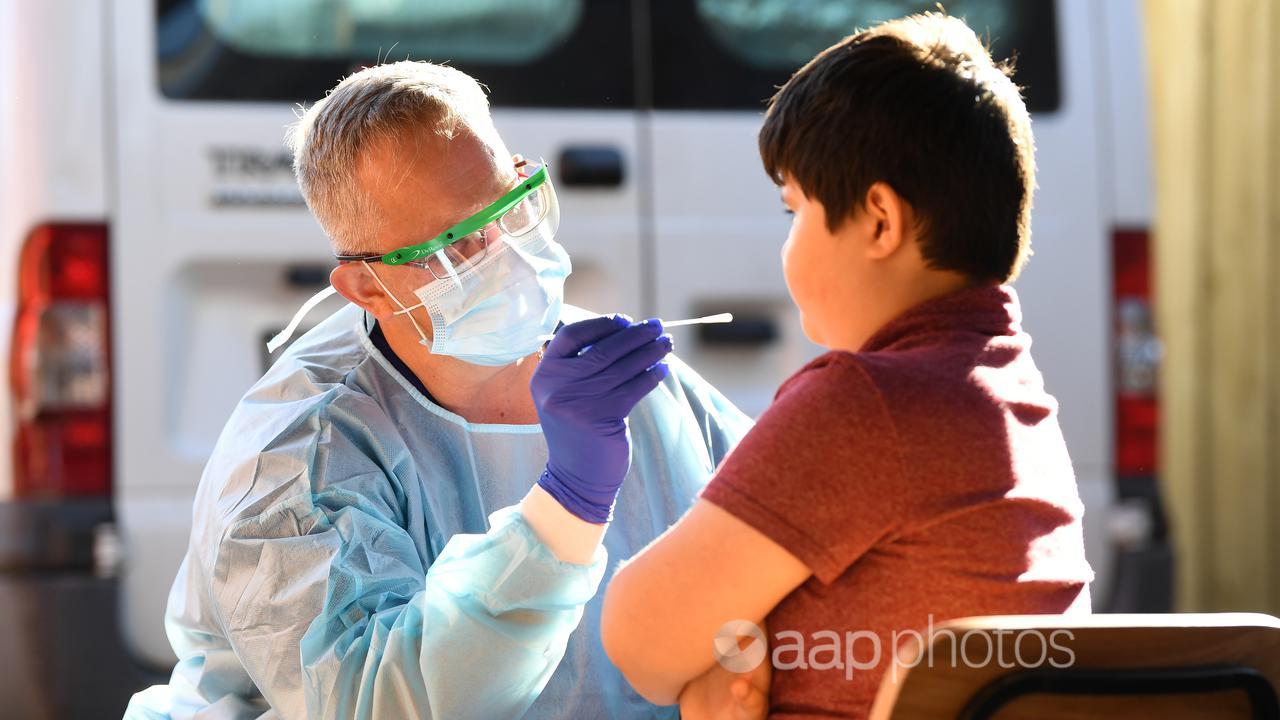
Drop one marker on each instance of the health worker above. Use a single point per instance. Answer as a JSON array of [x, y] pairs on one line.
[[387, 527]]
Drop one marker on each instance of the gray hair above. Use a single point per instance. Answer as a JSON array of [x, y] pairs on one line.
[[367, 106]]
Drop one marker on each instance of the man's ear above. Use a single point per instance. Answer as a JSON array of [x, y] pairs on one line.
[[890, 218], [356, 283]]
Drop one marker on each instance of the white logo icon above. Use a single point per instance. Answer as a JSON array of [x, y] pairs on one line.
[[730, 653]]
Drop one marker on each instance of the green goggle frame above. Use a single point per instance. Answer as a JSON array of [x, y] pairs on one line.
[[499, 208]]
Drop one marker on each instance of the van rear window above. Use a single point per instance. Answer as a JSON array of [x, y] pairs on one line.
[[665, 54], [725, 54], [542, 53]]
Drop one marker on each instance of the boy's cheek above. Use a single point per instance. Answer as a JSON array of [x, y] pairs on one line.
[[805, 281]]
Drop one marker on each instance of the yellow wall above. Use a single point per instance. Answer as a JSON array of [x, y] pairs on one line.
[[1214, 70]]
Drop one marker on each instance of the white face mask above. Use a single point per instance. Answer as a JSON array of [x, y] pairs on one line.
[[494, 312]]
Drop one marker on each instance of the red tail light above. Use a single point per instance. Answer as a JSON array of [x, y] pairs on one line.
[[59, 367], [1137, 356]]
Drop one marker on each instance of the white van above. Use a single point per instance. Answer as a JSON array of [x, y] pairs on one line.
[[151, 231]]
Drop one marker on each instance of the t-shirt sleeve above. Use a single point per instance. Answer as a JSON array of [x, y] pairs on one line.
[[820, 474]]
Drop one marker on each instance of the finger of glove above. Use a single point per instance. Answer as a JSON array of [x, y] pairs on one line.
[[572, 338], [637, 361], [609, 350], [633, 391]]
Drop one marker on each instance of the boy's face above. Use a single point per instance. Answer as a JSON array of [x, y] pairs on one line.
[[822, 273], [850, 282]]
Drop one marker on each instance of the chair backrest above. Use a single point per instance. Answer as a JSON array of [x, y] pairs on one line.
[[1048, 667]]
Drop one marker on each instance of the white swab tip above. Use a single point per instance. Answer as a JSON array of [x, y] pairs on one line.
[[707, 320], [721, 318]]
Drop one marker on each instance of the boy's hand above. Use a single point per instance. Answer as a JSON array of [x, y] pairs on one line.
[[719, 694]]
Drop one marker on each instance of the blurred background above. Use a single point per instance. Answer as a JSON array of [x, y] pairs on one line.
[[152, 238]]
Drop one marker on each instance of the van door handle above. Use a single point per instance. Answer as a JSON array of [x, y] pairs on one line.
[[590, 166]]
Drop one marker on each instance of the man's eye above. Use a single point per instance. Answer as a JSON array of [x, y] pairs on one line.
[[788, 211]]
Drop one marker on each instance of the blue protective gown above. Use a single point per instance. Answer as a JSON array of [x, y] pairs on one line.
[[355, 552]]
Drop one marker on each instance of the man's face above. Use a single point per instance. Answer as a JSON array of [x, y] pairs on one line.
[[420, 185]]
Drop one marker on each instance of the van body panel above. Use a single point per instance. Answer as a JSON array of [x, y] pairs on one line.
[[1123, 75]]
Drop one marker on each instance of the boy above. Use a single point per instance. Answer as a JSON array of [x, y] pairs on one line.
[[917, 471]]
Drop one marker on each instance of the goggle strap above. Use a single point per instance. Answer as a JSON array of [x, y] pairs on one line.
[[283, 336]]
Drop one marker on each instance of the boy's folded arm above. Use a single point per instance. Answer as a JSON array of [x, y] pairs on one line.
[[664, 607]]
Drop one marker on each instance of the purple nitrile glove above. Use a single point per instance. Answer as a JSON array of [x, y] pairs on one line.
[[591, 375]]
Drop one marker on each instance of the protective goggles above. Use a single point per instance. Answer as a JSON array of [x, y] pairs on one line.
[[518, 212]]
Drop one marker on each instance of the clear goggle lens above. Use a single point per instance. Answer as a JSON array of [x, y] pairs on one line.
[[461, 255], [528, 213], [519, 221]]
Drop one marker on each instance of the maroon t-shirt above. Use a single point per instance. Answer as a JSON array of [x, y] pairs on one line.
[[922, 478]]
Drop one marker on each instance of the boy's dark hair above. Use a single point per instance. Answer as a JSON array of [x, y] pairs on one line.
[[918, 104]]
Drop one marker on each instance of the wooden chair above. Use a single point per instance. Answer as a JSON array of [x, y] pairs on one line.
[[1170, 667]]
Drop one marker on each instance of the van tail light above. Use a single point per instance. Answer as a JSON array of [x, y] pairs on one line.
[[59, 365], [1137, 357]]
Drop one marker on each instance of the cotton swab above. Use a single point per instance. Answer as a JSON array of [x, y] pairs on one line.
[[707, 320]]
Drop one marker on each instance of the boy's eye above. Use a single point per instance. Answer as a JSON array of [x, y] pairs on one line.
[[788, 211]]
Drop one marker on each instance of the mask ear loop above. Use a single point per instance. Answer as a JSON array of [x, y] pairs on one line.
[[403, 310]]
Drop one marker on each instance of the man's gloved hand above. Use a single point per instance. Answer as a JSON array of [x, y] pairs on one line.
[[591, 375]]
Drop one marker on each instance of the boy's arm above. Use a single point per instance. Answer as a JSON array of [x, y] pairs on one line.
[[664, 607], [807, 491]]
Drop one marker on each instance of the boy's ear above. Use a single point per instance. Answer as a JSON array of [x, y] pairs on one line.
[[889, 218], [355, 283]]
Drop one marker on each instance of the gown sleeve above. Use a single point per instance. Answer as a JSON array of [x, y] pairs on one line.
[[332, 610]]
